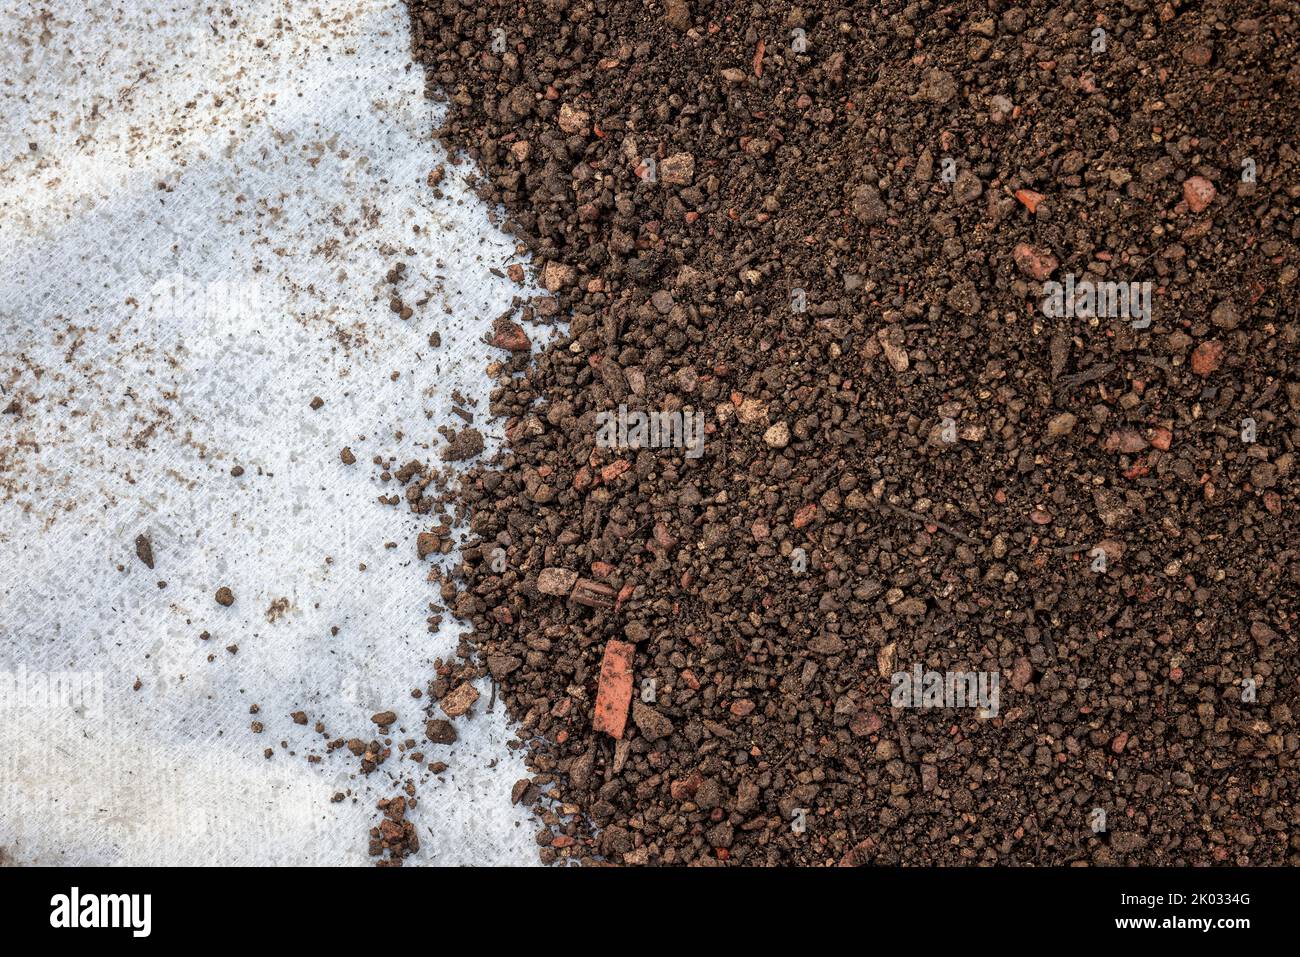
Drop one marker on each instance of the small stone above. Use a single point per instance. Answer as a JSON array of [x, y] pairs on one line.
[[440, 731], [1126, 441], [777, 436], [752, 411], [963, 298], [1034, 263], [1199, 193], [968, 187], [426, 543], [1062, 424], [1225, 315], [1111, 508], [556, 276], [502, 665], [895, 354], [510, 336], [459, 701], [556, 581], [867, 206], [1207, 357], [384, 718], [144, 550], [939, 86], [1262, 633], [912, 607], [662, 300], [225, 596], [573, 121], [684, 789], [1263, 475], [650, 722], [677, 14], [678, 169], [1029, 199]]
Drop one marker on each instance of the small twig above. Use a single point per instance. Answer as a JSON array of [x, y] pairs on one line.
[[1088, 375], [925, 520]]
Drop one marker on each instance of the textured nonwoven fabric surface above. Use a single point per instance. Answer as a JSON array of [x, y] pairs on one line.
[[198, 207]]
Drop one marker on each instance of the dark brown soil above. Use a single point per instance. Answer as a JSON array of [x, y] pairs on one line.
[[144, 550], [395, 837], [917, 467]]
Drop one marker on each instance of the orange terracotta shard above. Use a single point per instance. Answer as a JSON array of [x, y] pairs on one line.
[[1030, 199], [614, 693]]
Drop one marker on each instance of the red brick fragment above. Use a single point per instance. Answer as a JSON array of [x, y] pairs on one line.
[[614, 693]]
